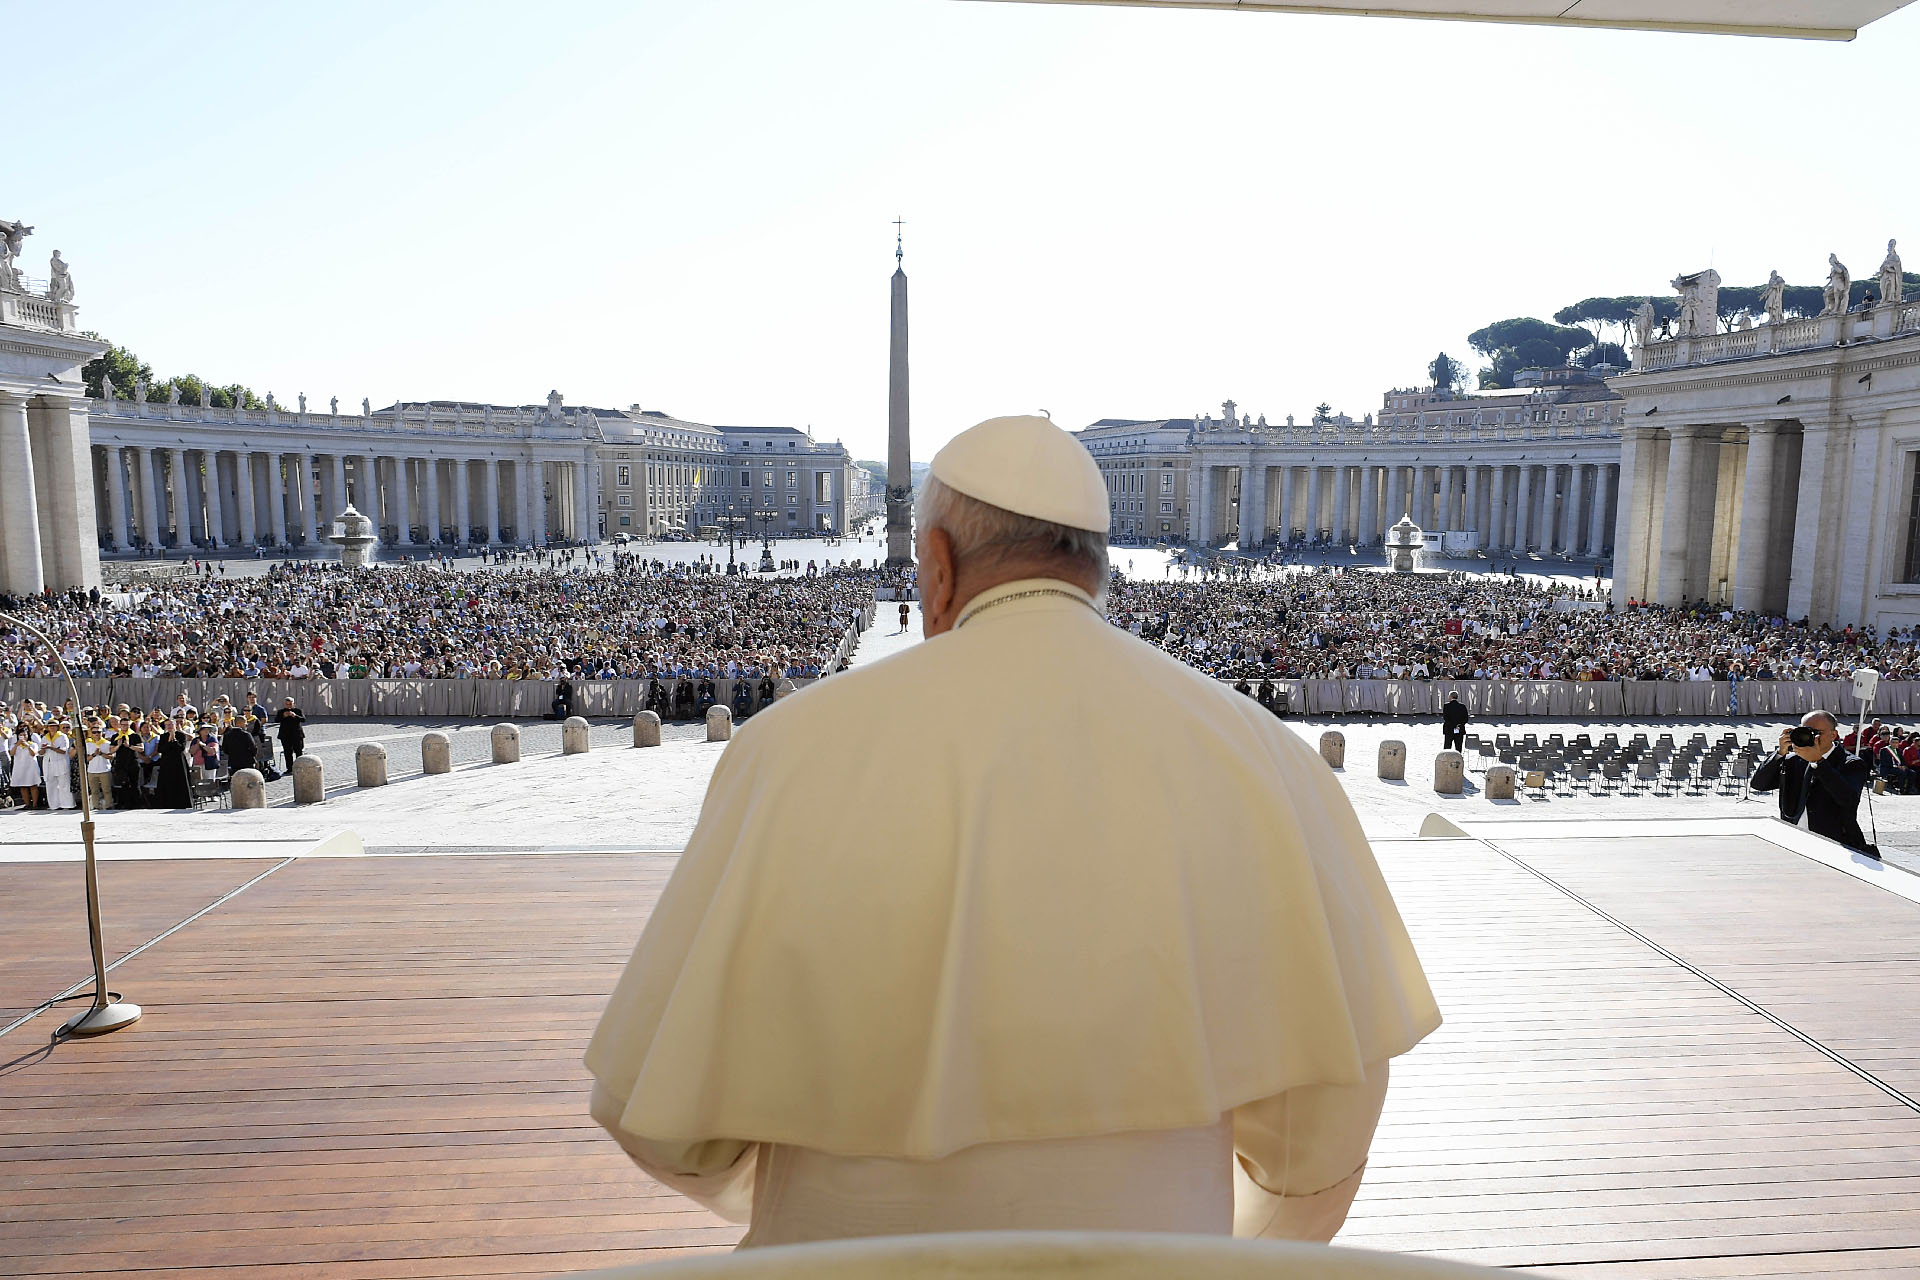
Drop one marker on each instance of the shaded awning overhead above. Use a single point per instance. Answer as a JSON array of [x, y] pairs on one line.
[[1805, 19]]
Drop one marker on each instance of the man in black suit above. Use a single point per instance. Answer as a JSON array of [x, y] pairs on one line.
[[293, 732], [1820, 783], [1453, 724]]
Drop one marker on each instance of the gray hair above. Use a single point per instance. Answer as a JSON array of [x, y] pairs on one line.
[[987, 536]]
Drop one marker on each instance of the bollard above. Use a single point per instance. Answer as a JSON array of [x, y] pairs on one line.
[[719, 723], [1500, 782], [506, 743], [249, 789], [646, 730], [574, 736], [370, 765], [785, 688], [1393, 761], [1449, 773], [436, 753], [1333, 748], [309, 781]]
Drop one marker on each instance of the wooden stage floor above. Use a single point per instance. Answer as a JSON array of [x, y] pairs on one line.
[[1662, 1057]]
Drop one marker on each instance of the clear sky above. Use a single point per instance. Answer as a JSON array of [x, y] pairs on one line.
[[1109, 212]]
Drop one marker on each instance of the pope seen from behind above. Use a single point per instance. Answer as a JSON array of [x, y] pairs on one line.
[[940, 957]]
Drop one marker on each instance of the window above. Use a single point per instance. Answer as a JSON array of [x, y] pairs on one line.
[[746, 479], [768, 477], [1166, 508], [626, 520], [626, 476], [1166, 482], [1912, 566]]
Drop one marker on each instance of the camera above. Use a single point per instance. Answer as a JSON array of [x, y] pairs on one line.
[[1802, 735]]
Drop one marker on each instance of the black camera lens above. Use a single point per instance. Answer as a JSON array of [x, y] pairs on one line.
[[1803, 735]]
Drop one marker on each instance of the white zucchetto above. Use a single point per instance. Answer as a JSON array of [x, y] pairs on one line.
[[1030, 467]]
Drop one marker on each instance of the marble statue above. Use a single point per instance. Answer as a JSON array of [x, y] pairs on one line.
[[334, 406], [1643, 324], [1839, 290], [173, 393], [1263, 422], [303, 404], [12, 234], [59, 280], [140, 390], [272, 404], [1699, 302], [1289, 419], [106, 388], [1745, 322], [366, 408], [553, 404], [1776, 296], [1891, 286]]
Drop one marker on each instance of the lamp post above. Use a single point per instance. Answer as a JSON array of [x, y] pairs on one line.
[[108, 1013], [731, 522], [766, 540]]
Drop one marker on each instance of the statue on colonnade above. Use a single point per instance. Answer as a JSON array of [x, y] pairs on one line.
[[1839, 291], [12, 237], [1643, 325], [1891, 286], [59, 280], [1776, 298]]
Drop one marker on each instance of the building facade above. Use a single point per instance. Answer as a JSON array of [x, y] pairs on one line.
[[46, 511], [1534, 469], [1777, 468], [1146, 466]]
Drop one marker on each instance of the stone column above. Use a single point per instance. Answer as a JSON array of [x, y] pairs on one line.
[[1369, 504], [402, 499], [303, 470], [462, 503], [1756, 518], [1576, 494], [246, 497], [1471, 521], [586, 508], [1342, 496], [173, 488], [19, 514], [276, 500], [1671, 585], [490, 499], [216, 501], [1551, 504], [196, 525], [116, 498], [1396, 494], [146, 490], [67, 492], [1282, 484], [1314, 492], [1606, 484], [1810, 513], [1423, 497], [1253, 507], [430, 496], [1523, 510]]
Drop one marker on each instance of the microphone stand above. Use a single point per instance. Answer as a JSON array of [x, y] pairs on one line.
[[109, 1012]]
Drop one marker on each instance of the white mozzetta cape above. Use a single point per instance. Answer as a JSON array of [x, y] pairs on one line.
[[1030, 879]]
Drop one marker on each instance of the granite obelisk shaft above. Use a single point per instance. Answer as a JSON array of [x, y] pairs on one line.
[[899, 449]]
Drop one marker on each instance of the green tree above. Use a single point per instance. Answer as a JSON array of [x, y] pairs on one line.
[[1322, 411], [117, 363], [1445, 372]]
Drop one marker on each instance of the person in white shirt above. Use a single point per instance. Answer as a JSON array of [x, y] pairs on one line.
[[1046, 998], [56, 766]]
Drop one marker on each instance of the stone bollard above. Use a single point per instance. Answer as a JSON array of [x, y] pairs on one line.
[[1393, 761], [436, 753], [646, 729], [309, 781], [1500, 782], [1333, 748], [249, 789], [574, 736], [1449, 773], [719, 723], [370, 765], [506, 743]]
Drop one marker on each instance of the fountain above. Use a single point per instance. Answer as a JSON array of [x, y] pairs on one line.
[[1405, 546], [354, 533]]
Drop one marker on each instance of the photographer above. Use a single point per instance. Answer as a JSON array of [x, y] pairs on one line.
[[1819, 781]]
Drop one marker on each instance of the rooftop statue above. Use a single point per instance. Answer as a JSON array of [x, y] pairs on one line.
[[59, 280], [366, 407], [335, 405], [1891, 286], [12, 236], [303, 404], [1839, 288], [1643, 324], [1776, 295], [173, 392]]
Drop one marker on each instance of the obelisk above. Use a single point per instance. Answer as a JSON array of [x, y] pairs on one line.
[[899, 449]]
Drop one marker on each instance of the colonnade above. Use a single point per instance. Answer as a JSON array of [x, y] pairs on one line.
[[185, 496], [1732, 513], [1561, 507], [47, 520]]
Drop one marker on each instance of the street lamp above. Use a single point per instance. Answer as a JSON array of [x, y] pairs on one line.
[[109, 1012], [766, 540], [731, 523]]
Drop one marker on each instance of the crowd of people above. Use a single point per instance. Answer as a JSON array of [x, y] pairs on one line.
[[314, 620], [1319, 624], [129, 758]]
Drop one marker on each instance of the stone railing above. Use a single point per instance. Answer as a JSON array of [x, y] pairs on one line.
[[1805, 334], [517, 424], [1432, 433], [31, 311]]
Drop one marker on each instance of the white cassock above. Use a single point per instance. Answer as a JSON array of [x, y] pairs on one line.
[[1026, 927]]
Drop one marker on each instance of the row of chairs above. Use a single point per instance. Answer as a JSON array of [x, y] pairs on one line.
[[1640, 766]]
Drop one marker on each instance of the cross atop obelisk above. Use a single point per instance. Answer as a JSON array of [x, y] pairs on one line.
[[899, 451]]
